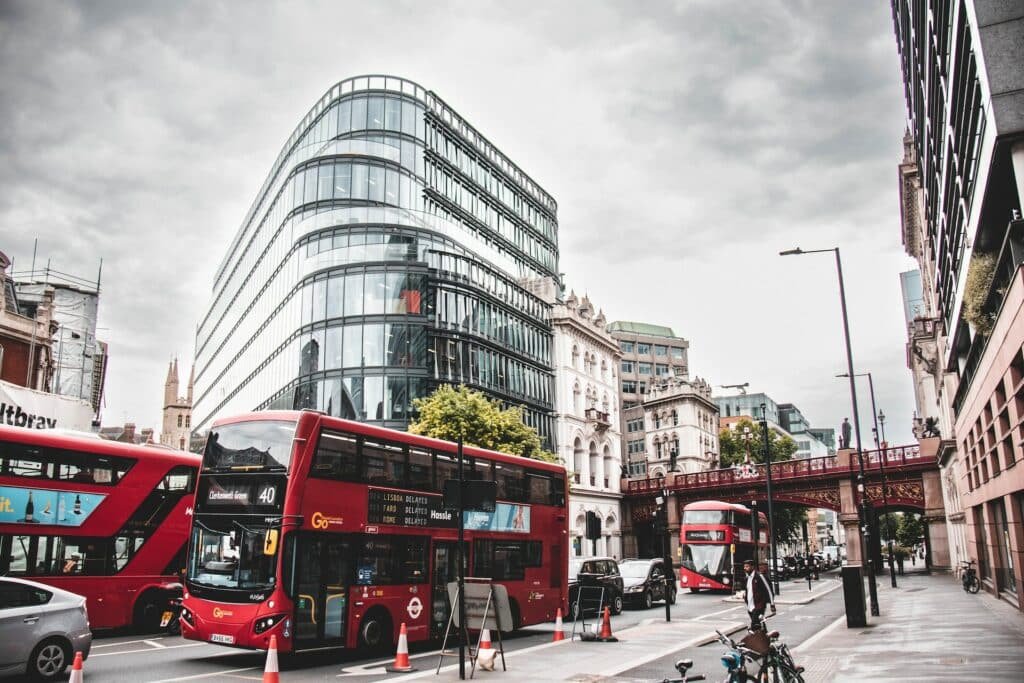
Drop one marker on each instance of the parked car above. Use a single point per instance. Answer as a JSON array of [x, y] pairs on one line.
[[41, 629], [782, 570], [587, 576], [644, 581]]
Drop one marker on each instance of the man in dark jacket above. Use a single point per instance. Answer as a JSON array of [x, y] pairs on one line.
[[758, 595]]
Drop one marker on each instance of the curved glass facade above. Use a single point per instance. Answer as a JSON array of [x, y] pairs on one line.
[[388, 251]]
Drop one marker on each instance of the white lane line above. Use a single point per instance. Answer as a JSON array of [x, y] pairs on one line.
[[820, 634], [154, 644], [122, 642], [207, 675], [144, 649], [711, 614]]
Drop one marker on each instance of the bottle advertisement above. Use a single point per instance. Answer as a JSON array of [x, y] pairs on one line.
[[44, 506]]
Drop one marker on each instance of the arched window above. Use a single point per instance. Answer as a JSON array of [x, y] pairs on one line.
[[576, 356], [657, 420], [179, 420], [595, 464], [576, 399], [675, 417]]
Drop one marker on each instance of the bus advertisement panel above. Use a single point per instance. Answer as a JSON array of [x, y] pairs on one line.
[[715, 538], [330, 533], [106, 520]]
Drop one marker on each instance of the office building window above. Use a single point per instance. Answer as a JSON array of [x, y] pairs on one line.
[[643, 349]]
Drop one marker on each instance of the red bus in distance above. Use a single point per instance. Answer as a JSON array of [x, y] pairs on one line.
[[715, 538], [102, 519], [331, 533]]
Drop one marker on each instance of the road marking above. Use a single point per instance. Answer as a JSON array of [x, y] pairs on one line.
[[820, 634], [145, 649], [123, 642], [212, 673], [154, 644], [711, 614]]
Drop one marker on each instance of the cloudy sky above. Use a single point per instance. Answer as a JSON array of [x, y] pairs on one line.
[[686, 143]]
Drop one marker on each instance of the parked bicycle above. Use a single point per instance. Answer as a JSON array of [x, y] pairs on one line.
[[763, 651], [969, 577], [682, 666]]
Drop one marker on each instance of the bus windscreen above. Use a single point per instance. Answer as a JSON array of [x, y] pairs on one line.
[[264, 445]]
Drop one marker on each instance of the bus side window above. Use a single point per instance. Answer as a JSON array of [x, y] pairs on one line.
[[336, 457], [511, 482], [421, 470]]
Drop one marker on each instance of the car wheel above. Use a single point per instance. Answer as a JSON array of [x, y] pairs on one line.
[[617, 604], [672, 597], [648, 600], [49, 659], [375, 632]]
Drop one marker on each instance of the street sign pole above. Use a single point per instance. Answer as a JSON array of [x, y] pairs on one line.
[[462, 572]]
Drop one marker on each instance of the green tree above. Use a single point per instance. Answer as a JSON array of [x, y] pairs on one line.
[[910, 530], [733, 449], [888, 526], [451, 412]]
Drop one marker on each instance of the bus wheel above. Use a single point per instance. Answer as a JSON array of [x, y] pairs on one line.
[[375, 631], [146, 616]]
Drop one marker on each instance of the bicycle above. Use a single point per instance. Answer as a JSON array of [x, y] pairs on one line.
[[772, 657], [969, 577]]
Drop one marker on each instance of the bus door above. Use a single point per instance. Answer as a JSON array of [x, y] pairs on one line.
[[321, 589], [445, 571]]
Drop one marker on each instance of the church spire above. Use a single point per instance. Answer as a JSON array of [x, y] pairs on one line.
[[171, 385], [191, 382]]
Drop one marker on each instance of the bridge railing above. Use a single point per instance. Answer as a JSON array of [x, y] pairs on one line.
[[893, 459]]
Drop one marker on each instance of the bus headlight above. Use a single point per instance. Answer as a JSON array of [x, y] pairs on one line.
[[726, 580], [266, 623], [186, 616]]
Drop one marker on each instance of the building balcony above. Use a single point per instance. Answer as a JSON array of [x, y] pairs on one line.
[[599, 419]]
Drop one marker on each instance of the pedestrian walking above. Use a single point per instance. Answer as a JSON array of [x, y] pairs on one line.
[[899, 562], [759, 595]]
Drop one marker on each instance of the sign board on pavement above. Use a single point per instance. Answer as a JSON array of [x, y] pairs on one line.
[[499, 615]]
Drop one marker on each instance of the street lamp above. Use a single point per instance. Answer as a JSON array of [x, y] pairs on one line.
[[771, 514], [865, 532], [876, 416]]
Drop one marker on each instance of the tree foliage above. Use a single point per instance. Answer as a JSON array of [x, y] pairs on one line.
[[451, 412], [910, 530], [733, 448]]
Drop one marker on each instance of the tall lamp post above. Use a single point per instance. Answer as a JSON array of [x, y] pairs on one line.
[[773, 572], [877, 415], [865, 531]]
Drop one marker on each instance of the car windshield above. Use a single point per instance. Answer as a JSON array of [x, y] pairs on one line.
[[231, 559], [705, 559], [634, 570]]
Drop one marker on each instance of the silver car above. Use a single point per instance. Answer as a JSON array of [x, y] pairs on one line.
[[41, 627]]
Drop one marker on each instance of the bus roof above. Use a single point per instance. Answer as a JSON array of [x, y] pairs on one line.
[[715, 505], [91, 444], [384, 433]]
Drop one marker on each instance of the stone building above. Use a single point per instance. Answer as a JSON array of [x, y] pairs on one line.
[[177, 422], [681, 425], [586, 360]]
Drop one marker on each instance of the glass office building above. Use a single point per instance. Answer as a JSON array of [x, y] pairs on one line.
[[390, 249]]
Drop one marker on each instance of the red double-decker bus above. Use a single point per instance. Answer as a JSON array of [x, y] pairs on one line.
[[715, 538], [331, 533], [106, 520]]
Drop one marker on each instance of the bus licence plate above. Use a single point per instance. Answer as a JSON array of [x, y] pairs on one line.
[[218, 638], [166, 619]]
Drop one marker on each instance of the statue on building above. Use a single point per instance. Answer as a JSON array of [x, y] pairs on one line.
[[931, 428], [844, 433]]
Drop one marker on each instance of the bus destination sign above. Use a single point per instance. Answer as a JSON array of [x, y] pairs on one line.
[[407, 509]]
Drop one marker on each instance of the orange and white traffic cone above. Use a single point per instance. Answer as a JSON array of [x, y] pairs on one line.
[[270, 672], [76, 669], [401, 664], [559, 631], [606, 628], [484, 652]]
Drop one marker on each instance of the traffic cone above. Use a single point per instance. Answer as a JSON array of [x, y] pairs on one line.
[[559, 631], [270, 672], [76, 669], [484, 653], [606, 628], [401, 664]]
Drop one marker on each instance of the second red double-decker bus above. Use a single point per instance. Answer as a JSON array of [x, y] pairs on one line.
[[102, 519], [330, 533], [715, 538]]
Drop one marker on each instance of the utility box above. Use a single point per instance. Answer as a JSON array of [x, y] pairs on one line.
[[853, 596]]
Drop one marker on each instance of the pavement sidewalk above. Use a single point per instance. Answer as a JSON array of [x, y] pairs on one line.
[[929, 629], [796, 593]]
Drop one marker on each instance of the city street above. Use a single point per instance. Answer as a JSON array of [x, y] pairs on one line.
[[165, 659]]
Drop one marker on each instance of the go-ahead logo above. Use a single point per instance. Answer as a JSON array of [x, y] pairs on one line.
[[322, 521], [221, 613]]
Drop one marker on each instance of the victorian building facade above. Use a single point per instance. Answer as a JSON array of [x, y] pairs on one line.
[[586, 359], [681, 422]]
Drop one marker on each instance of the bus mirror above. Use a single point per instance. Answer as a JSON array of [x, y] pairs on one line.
[[270, 542]]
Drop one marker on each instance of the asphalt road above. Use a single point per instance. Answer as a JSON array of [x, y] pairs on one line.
[[165, 659]]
